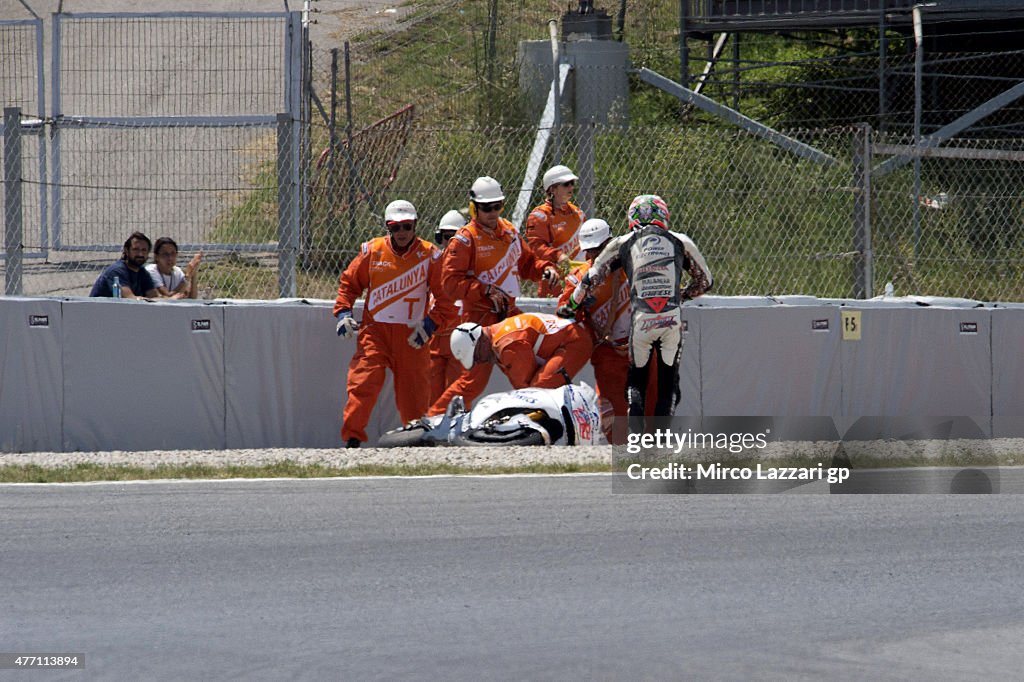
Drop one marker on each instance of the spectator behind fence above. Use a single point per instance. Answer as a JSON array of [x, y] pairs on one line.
[[170, 280], [135, 281]]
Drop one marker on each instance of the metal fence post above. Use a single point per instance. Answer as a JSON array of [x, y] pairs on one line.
[[556, 139], [684, 51], [586, 169], [863, 264], [305, 167], [14, 227], [56, 167], [287, 207], [882, 57], [349, 130], [292, 230], [918, 69]]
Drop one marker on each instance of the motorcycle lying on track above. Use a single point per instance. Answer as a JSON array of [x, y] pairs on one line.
[[567, 415]]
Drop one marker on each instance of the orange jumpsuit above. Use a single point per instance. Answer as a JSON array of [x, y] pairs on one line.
[[608, 318], [397, 290], [531, 348], [551, 232], [473, 259], [444, 367]]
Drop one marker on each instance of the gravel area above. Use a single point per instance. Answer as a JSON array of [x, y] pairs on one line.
[[1006, 452], [340, 458]]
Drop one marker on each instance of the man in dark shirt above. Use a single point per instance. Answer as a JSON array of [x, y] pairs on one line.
[[135, 280]]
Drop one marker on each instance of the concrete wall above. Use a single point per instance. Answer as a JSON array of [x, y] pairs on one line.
[[1008, 372], [89, 374], [31, 375]]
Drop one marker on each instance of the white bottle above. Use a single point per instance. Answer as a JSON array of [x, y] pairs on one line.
[[116, 287]]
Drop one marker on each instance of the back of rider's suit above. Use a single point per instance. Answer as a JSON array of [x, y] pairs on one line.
[[654, 260]]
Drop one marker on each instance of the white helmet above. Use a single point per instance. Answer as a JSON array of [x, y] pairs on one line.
[[449, 224], [557, 175], [399, 211], [486, 190], [463, 342], [593, 233], [452, 220]]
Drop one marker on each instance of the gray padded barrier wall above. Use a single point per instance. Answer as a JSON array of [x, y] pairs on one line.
[[770, 361], [31, 379], [284, 375], [1008, 372], [690, 368], [106, 375], [917, 362], [143, 376]]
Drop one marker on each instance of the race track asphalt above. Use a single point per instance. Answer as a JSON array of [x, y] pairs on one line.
[[536, 577]]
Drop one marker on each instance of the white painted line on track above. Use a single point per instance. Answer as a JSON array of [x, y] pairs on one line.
[[151, 481]]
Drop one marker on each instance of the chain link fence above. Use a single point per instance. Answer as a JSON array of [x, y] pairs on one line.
[[767, 221], [425, 101], [164, 123], [21, 80], [964, 235]]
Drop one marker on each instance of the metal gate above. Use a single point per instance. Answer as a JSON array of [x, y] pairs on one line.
[[159, 119], [22, 86]]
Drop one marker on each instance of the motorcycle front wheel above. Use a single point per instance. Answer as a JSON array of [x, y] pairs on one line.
[[406, 437], [485, 437]]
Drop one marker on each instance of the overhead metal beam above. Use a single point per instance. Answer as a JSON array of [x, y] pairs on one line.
[[736, 118], [951, 129], [949, 152]]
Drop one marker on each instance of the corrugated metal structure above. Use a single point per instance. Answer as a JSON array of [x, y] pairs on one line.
[[764, 15]]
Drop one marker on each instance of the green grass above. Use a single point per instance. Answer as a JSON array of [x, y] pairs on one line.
[[254, 219], [89, 472], [767, 223]]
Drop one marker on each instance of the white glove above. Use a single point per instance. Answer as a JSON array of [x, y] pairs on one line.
[[581, 293], [551, 276], [347, 326], [421, 332]]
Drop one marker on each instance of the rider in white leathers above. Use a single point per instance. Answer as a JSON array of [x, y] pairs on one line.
[[654, 260]]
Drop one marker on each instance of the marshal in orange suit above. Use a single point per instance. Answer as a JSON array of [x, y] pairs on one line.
[[398, 273]]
